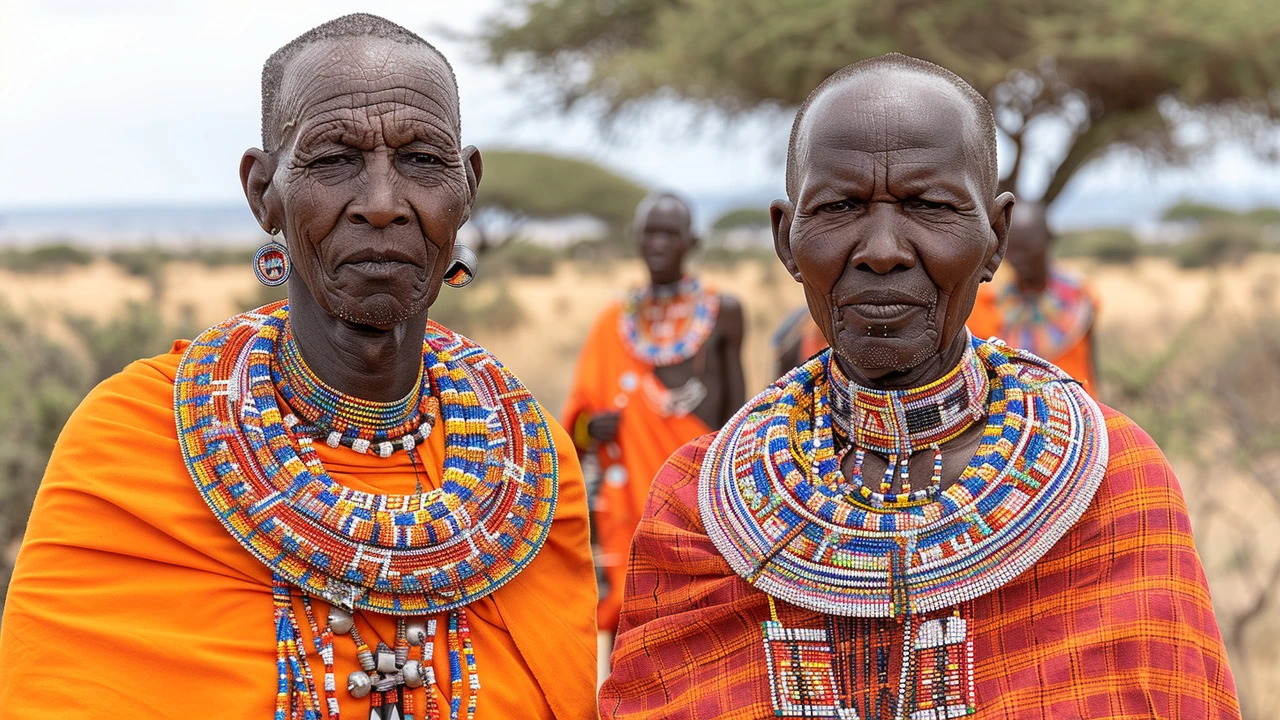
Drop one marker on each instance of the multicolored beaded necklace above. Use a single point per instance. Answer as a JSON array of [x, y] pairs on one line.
[[895, 423], [1049, 322], [778, 508], [661, 328], [404, 555]]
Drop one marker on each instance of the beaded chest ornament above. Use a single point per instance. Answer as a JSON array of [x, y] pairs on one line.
[[778, 508], [253, 462], [668, 328]]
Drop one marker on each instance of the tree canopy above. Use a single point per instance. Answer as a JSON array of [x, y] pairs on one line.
[[519, 186], [1115, 73], [742, 217]]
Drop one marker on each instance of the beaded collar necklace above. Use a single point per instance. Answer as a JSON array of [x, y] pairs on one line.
[[404, 555], [343, 420], [896, 423], [778, 509], [1049, 322], [667, 328]]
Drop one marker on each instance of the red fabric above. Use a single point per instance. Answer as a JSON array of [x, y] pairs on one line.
[[1114, 622], [645, 439]]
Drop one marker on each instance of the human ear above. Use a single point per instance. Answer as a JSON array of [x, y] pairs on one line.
[[781, 213], [1000, 214], [257, 168], [473, 163]]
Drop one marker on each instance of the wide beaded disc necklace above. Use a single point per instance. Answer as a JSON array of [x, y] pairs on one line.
[[668, 328], [410, 556], [778, 508]]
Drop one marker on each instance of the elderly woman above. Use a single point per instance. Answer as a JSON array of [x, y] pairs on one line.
[[914, 524], [327, 505]]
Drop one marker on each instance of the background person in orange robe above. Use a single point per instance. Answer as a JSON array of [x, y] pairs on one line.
[[1042, 308], [130, 598], [615, 407]]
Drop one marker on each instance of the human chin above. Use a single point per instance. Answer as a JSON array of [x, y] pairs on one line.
[[896, 347], [383, 304]]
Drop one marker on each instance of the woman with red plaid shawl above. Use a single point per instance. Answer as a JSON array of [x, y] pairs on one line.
[[915, 524]]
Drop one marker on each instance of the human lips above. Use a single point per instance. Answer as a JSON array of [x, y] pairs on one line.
[[883, 304]]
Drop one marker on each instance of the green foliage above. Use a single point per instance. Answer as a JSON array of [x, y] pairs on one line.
[[1113, 246], [1217, 244], [221, 257], [137, 332], [519, 186], [147, 263], [1106, 68], [1193, 212], [44, 258], [748, 217], [520, 258], [471, 309]]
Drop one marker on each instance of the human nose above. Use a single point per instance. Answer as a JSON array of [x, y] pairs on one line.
[[882, 249], [380, 205]]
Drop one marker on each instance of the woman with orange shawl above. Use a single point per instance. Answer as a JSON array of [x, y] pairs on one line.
[[326, 506]]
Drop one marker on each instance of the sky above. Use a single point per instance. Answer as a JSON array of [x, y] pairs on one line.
[[143, 102]]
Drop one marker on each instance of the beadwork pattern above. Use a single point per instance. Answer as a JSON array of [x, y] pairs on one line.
[[662, 330], [784, 523], [1049, 322], [394, 554]]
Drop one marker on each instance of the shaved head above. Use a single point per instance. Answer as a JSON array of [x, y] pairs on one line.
[[357, 25], [885, 69], [666, 203]]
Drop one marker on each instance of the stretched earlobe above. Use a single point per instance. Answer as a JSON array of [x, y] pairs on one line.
[[257, 167], [473, 164], [781, 213], [1000, 216]]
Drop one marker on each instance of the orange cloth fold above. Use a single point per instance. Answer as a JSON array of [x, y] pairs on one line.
[[645, 440], [1114, 622], [129, 598]]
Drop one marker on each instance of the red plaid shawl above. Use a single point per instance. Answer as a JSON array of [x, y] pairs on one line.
[[1114, 622]]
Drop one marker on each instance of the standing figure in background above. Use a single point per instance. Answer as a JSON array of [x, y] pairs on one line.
[[657, 370], [1044, 309]]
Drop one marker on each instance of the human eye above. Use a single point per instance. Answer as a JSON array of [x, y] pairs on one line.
[[421, 159], [841, 206], [919, 203], [330, 161]]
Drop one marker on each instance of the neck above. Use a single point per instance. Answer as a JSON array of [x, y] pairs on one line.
[[665, 283], [359, 360], [933, 368]]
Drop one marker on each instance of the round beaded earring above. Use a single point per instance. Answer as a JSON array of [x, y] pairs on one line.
[[271, 263]]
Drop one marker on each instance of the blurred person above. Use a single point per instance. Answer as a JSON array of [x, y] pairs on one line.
[[916, 523], [795, 340], [1043, 308], [329, 504], [656, 371]]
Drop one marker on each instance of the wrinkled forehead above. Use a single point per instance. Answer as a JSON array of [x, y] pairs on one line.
[[344, 73], [889, 117]]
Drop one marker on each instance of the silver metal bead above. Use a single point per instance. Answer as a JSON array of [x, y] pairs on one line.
[[412, 671], [417, 633], [386, 659], [339, 620], [359, 684]]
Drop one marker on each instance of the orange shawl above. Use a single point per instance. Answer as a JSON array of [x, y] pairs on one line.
[[645, 439], [1114, 622], [130, 597]]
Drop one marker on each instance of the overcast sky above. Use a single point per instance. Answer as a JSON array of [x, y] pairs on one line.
[[146, 101]]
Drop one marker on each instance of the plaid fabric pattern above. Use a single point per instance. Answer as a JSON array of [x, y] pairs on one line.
[[1114, 622]]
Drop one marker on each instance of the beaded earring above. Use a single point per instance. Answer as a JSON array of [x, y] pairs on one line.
[[271, 263], [462, 267]]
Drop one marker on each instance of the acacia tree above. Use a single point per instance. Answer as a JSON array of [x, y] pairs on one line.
[[1114, 73], [518, 186]]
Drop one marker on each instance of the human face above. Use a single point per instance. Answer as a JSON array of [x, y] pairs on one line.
[[892, 230], [1028, 255], [370, 183], [664, 238]]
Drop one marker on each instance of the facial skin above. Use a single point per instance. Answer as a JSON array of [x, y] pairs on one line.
[[369, 185], [892, 229], [664, 237], [1029, 244]]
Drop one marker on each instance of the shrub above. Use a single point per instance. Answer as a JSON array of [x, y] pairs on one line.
[[45, 258], [1218, 244], [520, 258], [1112, 246], [144, 263]]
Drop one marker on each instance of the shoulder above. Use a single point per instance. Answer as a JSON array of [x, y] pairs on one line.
[[1131, 453], [673, 496], [730, 318], [142, 390]]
